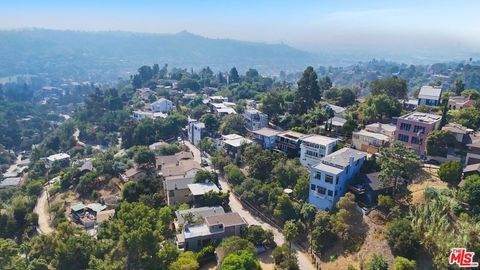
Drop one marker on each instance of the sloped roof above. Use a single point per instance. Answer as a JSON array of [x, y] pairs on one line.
[[430, 92]]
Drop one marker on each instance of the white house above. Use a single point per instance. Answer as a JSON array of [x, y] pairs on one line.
[[162, 105], [385, 129], [330, 177], [315, 147], [255, 119], [62, 158], [429, 95], [140, 115], [196, 131]]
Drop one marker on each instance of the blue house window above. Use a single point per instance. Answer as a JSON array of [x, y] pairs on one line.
[[403, 138], [321, 190], [329, 179], [313, 187], [417, 129], [404, 126], [330, 193]]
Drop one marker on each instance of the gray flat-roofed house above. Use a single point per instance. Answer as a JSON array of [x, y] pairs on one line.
[[198, 190], [212, 230], [198, 213], [10, 182]]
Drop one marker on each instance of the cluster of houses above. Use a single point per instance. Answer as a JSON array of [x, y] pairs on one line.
[[156, 109], [200, 225], [334, 172]]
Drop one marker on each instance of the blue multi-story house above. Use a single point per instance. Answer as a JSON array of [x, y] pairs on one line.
[[429, 95], [266, 137], [330, 177]]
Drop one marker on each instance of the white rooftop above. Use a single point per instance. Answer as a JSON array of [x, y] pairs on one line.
[[227, 110], [238, 142], [319, 139], [422, 117], [267, 132], [202, 188], [377, 136], [342, 156], [59, 156], [378, 126], [327, 168], [430, 92]]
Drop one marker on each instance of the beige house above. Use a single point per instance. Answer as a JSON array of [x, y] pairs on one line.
[[369, 142], [133, 174]]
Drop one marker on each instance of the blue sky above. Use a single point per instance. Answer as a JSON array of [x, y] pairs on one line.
[[310, 25]]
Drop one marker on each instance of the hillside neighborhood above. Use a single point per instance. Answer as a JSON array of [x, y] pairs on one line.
[[299, 178]]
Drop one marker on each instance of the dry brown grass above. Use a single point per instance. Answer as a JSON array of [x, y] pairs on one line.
[[426, 178]]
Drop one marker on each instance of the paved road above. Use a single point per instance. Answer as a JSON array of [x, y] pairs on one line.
[[41, 209], [304, 262]]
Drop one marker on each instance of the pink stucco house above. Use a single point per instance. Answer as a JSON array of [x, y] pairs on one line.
[[413, 128]]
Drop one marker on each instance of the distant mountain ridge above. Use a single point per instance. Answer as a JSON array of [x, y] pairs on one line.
[[112, 54]]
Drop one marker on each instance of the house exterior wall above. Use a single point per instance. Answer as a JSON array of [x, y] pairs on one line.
[[164, 106], [414, 133], [290, 147], [311, 153], [255, 120], [361, 141], [195, 132], [333, 191], [267, 142], [473, 155], [429, 102], [179, 196], [197, 243]]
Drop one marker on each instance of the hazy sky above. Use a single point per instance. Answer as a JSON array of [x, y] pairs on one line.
[[311, 25]]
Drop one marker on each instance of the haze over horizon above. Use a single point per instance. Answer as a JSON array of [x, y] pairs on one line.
[[429, 27]]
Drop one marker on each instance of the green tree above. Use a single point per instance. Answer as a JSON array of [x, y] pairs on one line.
[[301, 189], [438, 142], [469, 117], [207, 144], [459, 87], [273, 105], [233, 244], [284, 210], [307, 214], [394, 87], [397, 162], [285, 258], [211, 122], [471, 192], [145, 157], [347, 217], [233, 174], [379, 107], [385, 203], [451, 172], [8, 253], [233, 76], [287, 172], [377, 262], [257, 235], [233, 124], [308, 91], [185, 261], [291, 231], [203, 175], [322, 235], [242, 260], [401, 237], [402, 263]]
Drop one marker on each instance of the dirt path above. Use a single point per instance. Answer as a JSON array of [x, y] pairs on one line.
[[41, 209]]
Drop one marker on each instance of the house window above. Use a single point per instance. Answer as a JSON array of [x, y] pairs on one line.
[[329, 179], [403, 138], [318, 175], [404, 126], [338, 178], [313, 187], [171, 193], [336, 193], [330, 193], [321, 190], [415, 140], [417, 129], [348, 168]]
